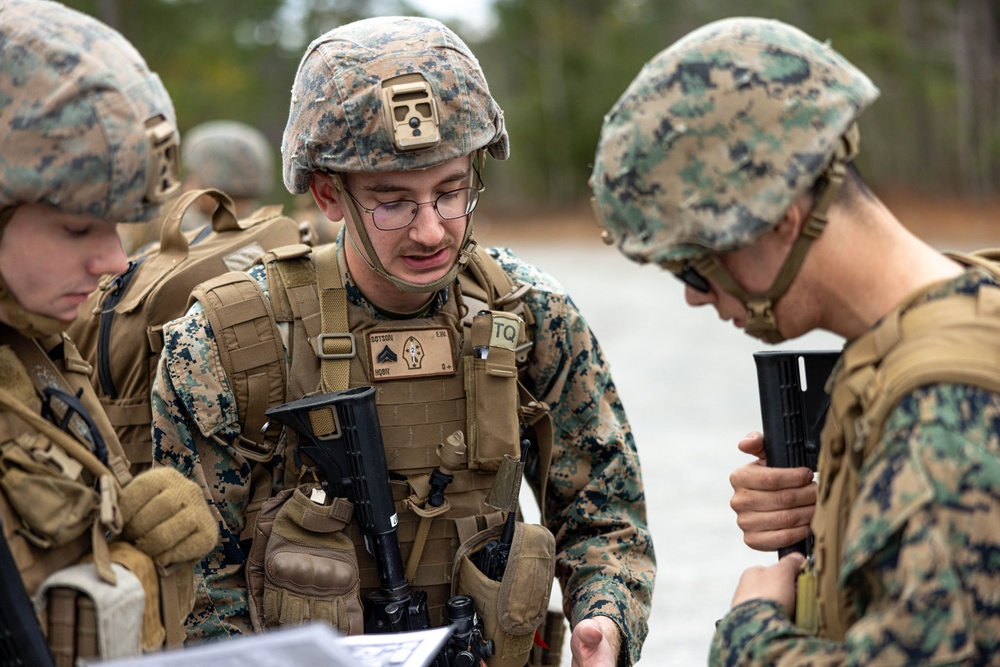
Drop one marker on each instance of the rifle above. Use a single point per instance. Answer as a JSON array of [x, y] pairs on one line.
[[350, 453], [22, 643], [793, 404], [340, 433]]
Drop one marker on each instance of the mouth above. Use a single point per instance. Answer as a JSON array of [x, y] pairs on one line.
[[426, 261]]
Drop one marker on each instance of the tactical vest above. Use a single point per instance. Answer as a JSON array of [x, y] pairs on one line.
[[430, 380], [59, 501], [950, 340]]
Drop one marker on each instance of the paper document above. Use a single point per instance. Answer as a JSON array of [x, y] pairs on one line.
[[316, 644]]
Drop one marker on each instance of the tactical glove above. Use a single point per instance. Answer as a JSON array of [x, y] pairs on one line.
[[310, 569], [166, 516]]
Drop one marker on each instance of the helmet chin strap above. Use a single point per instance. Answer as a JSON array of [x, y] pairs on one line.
[[761, 322], [356, 228]]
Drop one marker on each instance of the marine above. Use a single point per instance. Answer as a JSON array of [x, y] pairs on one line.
[[390, 125]]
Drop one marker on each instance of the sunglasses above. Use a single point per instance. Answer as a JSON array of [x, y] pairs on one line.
[[692, 278]]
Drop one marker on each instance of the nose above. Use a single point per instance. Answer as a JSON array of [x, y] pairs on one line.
[[428, 227], [695, 298], [108, 256]]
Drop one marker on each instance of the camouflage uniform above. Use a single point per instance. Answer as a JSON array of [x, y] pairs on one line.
[[594, 496], [917, 565], [705, 152], [594, 479]]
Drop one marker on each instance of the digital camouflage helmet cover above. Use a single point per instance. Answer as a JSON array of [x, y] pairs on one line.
[[715, 139], [389, 94], [85, 127]]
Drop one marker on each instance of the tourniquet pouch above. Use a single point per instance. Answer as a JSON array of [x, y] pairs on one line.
[[302, 566], [44, 486], [491, 388], [513, 608]]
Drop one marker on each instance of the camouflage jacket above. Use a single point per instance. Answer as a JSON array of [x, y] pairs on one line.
[[595, 504], [919, 561]]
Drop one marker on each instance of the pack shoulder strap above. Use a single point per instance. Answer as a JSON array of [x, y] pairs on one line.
[[252, 355]]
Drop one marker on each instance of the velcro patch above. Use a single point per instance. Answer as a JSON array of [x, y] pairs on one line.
[[411, 353]]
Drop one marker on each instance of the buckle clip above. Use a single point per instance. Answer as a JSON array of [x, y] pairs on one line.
[[319, 346]]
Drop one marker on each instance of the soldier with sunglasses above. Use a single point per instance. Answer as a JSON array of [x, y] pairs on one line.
[[728, 161]]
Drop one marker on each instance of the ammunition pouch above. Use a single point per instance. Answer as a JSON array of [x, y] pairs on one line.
[[302, 566], [45, 488], [514, 608]]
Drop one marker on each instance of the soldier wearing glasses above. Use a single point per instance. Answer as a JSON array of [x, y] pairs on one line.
[[390, 125]]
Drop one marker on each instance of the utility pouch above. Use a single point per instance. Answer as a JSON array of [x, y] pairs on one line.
[[512, 609], [302, 566], [491, 390], [44, 486]]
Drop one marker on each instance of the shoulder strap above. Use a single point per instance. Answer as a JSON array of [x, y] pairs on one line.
[[31, 355], [956, 339], [484, 281], [335, 345], [252, 354]]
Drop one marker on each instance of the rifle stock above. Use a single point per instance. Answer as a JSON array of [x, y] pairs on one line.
[[793, 404]]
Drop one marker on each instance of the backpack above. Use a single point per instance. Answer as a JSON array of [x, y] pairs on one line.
[[119, 331]]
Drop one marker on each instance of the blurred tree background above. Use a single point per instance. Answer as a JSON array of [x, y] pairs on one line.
[[556, 66]]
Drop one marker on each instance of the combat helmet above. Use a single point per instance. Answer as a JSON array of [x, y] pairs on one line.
[[85, 126], [234, 157], [389, 94], [716, 138]]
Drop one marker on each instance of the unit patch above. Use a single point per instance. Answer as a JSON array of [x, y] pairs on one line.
[[411, 353]]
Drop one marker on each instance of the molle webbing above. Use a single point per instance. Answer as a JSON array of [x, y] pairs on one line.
[[252, 355], [950, 340]]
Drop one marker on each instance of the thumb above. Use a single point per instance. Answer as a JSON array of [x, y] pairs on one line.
[[753, 444], [792, 561]]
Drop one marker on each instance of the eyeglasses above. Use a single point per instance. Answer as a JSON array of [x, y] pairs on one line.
[[693, 279], [399, 214]]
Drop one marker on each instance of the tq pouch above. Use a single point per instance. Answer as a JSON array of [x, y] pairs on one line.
[[512, 609], [302, 566], [491, 390]]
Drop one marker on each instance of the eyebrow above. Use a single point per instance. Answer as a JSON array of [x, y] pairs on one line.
[[460, 173]]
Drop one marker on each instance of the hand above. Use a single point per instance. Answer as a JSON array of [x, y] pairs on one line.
[[773, 582], [595, 642], [166, 517], [773, 506]]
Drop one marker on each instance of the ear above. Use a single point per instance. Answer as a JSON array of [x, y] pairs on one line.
[[795, 217], [326, 196]]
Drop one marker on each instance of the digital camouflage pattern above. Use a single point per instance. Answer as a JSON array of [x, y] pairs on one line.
[[75, 98], [595, 502], [231, 156], [717, 136], [921, 549], [335, 121]]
